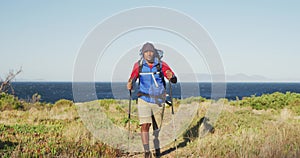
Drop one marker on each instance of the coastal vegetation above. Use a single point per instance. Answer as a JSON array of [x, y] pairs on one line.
[[256, 126]]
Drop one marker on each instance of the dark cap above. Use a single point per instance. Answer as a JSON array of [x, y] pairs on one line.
[[148, 47]]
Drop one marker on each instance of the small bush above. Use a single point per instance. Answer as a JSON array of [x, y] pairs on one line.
[[275, 101], [35, 98], [9, 102], [63, 102]]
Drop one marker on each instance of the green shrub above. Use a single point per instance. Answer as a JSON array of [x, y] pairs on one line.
[[63, 102], [275, 101], [9, 102], [223, 101], [294, 103]]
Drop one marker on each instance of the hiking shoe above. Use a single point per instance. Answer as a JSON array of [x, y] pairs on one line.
[[157, 153], [148, 154]]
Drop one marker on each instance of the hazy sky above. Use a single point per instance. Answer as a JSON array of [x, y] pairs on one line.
[[258, 37]]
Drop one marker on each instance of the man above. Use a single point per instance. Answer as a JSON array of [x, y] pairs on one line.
[[150, 71]]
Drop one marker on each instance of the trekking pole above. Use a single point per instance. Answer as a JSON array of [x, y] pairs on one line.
[[173, 119], [129, 112], [162, 116]]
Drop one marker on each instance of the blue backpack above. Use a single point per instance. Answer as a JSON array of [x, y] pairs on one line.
[[155, 91]]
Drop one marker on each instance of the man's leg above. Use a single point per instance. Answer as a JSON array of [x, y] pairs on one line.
[[145, 138], [145, 135], [156, 134]]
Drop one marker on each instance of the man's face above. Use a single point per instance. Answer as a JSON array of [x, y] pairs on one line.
[[149, 56]]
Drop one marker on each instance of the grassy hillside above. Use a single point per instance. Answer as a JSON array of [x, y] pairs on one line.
[[265, 126]]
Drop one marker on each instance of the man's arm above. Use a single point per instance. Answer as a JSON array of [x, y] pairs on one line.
[[168, 73], [134, 75]]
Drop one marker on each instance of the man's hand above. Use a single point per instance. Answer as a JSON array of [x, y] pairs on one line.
[[171, 77], [129, 84], [169, 74]]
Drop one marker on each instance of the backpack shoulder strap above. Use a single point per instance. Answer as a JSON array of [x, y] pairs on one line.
[[140, 62], [161, 74]]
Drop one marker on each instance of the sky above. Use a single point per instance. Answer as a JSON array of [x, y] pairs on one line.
[[255, 39]]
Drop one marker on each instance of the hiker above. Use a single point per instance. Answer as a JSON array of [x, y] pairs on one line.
[[150, 71]]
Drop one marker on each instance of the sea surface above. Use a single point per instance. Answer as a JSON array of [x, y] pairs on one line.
[[53, 91]]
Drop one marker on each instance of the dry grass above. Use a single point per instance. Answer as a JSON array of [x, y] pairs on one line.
[[239, 132]]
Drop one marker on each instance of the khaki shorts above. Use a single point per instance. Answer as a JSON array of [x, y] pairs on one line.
[[146, 110]]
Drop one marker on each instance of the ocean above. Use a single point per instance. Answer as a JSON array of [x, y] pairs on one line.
[[53, 91]]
